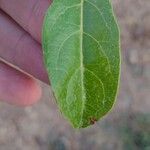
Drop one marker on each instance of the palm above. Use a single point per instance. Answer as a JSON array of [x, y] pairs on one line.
[[20, 37]]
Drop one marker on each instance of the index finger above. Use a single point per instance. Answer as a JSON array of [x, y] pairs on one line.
[[27, 13]]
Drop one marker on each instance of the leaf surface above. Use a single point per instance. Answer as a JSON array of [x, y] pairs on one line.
[[82, 57]]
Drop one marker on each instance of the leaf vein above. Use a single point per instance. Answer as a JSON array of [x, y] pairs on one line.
[[92, 4], [98, 42], [61, 45], [62, 13]]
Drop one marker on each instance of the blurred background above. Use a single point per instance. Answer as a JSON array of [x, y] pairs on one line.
[[126, 127]]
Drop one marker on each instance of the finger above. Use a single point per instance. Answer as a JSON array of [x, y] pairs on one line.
[[28, 13], [18, 48], [17, 88]]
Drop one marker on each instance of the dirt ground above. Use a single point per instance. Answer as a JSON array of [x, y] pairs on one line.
[[127, 127]]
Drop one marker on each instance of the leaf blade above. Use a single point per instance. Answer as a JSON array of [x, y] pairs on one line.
[[81, 51]]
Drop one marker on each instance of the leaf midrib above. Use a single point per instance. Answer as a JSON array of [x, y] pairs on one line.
[[82, 65]]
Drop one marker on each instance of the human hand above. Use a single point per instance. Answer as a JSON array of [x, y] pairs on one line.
[[20, 44]]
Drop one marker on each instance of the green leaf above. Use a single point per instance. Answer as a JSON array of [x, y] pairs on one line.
[[82, 57]]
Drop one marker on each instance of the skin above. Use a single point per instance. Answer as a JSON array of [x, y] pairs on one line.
[[20, 44]]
